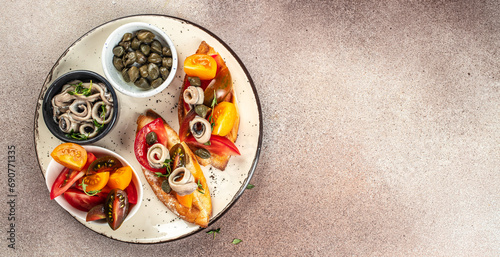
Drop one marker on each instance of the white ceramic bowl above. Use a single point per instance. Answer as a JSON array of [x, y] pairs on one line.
[[54, 169], [115, 77]]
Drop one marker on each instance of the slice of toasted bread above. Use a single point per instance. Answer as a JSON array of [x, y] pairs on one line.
[[217, 161], [201, 210]]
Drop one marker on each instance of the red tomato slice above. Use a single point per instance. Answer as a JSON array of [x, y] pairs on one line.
[[218, 145], [219, 61], [131, 193], [64, 181], [90, 159], [184, 130], [141, 147], [82, 201]]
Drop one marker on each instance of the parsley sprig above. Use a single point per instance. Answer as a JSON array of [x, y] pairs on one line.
[[200, 188], [76, 135]]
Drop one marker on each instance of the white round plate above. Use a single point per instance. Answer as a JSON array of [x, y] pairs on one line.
[[153, 222]]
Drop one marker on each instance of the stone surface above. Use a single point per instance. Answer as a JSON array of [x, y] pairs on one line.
[[381, 126]]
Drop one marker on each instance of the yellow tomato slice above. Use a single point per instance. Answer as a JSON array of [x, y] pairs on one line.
[[70, 155], [200, 65], [185, 200], [120, 178], [96, 182], [224, 116]]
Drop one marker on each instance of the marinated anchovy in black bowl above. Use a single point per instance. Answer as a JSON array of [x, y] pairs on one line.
[[80, 107]]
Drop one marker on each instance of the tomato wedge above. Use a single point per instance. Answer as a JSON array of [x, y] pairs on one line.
[[70, 155], [200, 65], [64, 181], [218, 145], [184, 130], [82, 201], [96, 182], [120, 178], [141, 147], [132, 193]]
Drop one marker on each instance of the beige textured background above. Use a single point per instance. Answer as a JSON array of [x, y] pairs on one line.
[[381, 126]]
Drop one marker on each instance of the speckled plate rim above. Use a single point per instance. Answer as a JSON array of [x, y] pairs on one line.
[[250, 81]]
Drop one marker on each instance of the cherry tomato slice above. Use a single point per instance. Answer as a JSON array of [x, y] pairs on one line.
[[184, 130], [96, 182], [64, 181], [70, 155], [120, 178], [132, 193], [82, 201], [200, 65], [218, 145], [102, 164], [141, 147], [224, 116]]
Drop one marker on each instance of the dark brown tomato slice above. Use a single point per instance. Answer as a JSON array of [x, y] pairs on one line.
[[116, 208]]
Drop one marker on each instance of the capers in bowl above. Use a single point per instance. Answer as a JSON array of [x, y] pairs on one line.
[[141, 59]]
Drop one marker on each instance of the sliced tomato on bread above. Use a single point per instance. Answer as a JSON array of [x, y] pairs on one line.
[[195, 208], [219, 153]]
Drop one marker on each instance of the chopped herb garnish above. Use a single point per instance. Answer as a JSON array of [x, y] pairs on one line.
[[81, 90], [214, 231], [207, 143], [103, 112], [77, 136], [250, 186], [200, 188], [159, 174], [236, 241], [166, 164], [211, 118], [98, 125], [90, 193]]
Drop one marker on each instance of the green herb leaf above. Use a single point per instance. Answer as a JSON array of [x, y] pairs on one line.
[[90, 193], [76, 135], [250, 186], [81, 90], [166, 164], [214, 231], [236, 241], [208, 143], [103, 112], [98, 125], [159, 174], [200, 188]]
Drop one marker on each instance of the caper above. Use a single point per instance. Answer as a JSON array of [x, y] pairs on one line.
[[164, 72], [151, 138], [118, 51], [202, 153], [143, 70], [156, 47], [194, 81], [125, 75], [129, 59], [127, 37], [125, 44], [142, 83], [118, 63], [145, 49], [145, 36], [153, 71], [166, 51], [140, 57], [166, 62], [154, 58], [135, 43], [202, 110], [133, 73], [157, 82], [165, 186]]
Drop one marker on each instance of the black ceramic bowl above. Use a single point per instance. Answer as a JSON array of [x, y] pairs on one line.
[[56, 87]]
